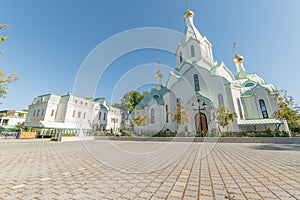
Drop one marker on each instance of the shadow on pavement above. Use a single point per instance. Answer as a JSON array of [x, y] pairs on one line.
[[278, 147]]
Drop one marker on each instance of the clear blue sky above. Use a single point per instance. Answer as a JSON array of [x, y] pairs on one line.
[[48, 40]]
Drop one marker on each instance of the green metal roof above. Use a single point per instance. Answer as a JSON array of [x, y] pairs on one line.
[[6, 127], [156, 95], [253, 122], [102, 107]]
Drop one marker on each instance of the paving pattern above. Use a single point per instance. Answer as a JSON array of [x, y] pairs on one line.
[[40, 169]]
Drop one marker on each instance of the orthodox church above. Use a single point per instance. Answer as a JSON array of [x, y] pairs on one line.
[[199, 85]]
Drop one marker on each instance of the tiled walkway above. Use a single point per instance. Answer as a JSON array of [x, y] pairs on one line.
[[31, 169]]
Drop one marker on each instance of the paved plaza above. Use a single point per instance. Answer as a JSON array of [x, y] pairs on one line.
[[40, 169]]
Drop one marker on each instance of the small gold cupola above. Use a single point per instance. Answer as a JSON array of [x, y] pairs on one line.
[[158, 73], [239, 64], [188, 13], [238, 58]]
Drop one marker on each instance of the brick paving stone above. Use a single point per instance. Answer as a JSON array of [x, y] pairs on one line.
[[39, 169]]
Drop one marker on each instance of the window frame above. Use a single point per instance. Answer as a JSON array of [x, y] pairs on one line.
[[240, 108], [196, 82], [180, 57], [221, 99], [263, 108], [193, 51], [152, 114]]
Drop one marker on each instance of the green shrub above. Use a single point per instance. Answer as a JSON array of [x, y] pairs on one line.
[[126, 134], [68, 134], [239, 134], [284, 134], [54, 139], [227, 134]]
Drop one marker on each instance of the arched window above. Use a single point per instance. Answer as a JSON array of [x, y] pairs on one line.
[[240, 108], [192, 51], [180, 57], [263, 108], [167, 113], [196, 82], [152, 115], [156, 96], [249, 84], [220, 99]]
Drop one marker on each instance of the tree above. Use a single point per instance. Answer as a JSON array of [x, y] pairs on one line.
[[287, 109], [223, 117], [129, 101], [181, 115], [89, 98], [139, 121], [3, 37], [116, 105], [4, 79]]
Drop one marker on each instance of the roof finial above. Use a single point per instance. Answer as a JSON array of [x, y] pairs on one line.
[[158, 73], [237, 57], [187, 4], [188, 12], [158, 63], [234, 46]]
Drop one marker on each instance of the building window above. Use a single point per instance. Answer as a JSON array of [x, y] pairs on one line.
[[81, 103], [38, 113], [42, 113], [263, 108], [72, 115], [104, 116], [52, 113], [33, 113], [180, 57], [240, 108], [86, 104], [79, 114], [192, 51], [249, 85], [83, 115], [76, 101], [5, 122], [167, 113], [152, 115], [220, 99], [196, 82], [99, 115]]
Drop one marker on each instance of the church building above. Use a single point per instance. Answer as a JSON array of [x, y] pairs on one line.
[[199, 85]]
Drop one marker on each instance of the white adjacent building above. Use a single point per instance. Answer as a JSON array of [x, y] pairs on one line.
[[69, 113], [10, 118], [199, 85]]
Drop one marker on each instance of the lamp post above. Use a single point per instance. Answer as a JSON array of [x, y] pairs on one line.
[[199, 109]]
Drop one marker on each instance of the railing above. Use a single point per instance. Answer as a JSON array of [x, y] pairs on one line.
[[10, 135]]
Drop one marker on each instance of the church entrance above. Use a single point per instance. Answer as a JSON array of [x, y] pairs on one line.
[[201, 123]]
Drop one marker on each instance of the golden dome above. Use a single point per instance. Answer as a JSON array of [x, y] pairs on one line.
[[238, 58], [158, 74], [188, 13]]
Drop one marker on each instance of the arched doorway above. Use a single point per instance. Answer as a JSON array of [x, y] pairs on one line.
[[203, 125]]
